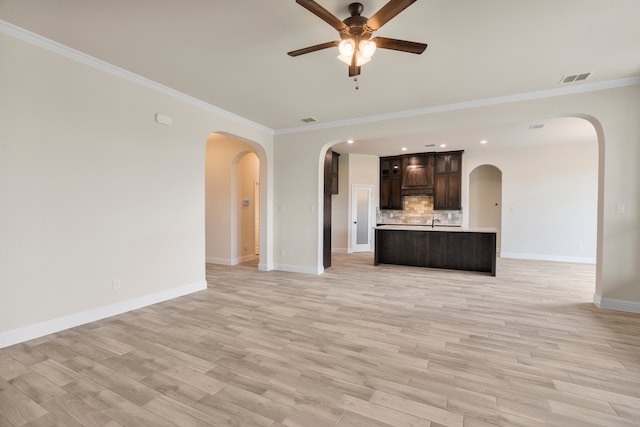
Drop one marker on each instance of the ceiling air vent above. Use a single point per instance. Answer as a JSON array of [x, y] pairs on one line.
[[430, 145], [538, 126], [309, 120], [575, 78]]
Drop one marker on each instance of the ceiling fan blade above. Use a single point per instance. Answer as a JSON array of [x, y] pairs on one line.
[[313, 48], [401, 45], [322, 13], [387, 12]]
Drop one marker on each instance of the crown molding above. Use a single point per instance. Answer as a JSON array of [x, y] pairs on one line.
[[525, 96], [75, 55], [45, 43]]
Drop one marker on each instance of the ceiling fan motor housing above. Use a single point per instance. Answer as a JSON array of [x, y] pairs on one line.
[[356, 9], [356, 23]]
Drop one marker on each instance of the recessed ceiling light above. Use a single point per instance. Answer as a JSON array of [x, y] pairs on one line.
[[404, 148], [484, 141], [443, 145], [349, 141]]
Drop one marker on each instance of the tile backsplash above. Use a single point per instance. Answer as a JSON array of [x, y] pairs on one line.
[[418, 210]]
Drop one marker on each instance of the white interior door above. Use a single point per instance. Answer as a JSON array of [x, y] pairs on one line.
[[361, 207]]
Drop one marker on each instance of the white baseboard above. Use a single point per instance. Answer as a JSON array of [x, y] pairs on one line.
[[219, 261], [37, 330], [339, 250], [299, 269], [245, 258], [616, 304], [555, 258], [230, 261], [265, 267]]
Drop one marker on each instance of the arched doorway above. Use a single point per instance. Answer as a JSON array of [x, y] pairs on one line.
[[485, 199], [232, 204]]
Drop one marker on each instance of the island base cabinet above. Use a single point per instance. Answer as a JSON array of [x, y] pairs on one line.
[[459, 250]]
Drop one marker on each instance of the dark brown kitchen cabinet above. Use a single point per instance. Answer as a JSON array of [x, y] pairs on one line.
[[422, 174], [449, 162], [334, 172], [417, 174], [326, 226], [459, 250], [448, 181], [390, 182]]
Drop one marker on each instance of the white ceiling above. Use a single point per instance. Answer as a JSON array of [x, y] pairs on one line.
[[566, 130], [232, 54]]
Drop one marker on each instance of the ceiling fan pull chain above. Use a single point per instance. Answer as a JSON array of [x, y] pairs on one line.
[[355, 79]]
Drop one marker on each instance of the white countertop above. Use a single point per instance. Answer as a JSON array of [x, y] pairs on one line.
[[410, 227]]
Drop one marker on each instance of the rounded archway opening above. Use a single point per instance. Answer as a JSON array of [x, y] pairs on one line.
[[485, 199], [234, 213]]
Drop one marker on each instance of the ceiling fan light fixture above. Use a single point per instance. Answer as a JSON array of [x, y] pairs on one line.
[[356, 31], [367, 48], [346, 48], [360, 60]]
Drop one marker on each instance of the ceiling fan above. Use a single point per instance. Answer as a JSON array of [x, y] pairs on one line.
[[356, 46]]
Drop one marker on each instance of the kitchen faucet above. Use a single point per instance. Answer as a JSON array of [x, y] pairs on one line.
[[433, 221]]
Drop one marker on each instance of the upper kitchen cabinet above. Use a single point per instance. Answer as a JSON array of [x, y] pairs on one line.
[[448, 181], [390, 182], [422, 174], [417, 174], [449, 162]]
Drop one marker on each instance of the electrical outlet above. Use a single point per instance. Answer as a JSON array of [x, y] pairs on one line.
[[117, 284]]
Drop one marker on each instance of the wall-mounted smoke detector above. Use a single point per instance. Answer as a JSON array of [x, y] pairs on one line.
[[538, 126], [309, 120], [575, 78]]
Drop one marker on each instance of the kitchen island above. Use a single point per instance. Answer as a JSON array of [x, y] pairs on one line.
[[458, 248]]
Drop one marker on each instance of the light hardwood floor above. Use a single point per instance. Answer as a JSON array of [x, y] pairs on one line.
[[358, 346]]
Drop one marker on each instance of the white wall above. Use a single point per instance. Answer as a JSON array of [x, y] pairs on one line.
[[93, 190], [549, 200], [298, 205]]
